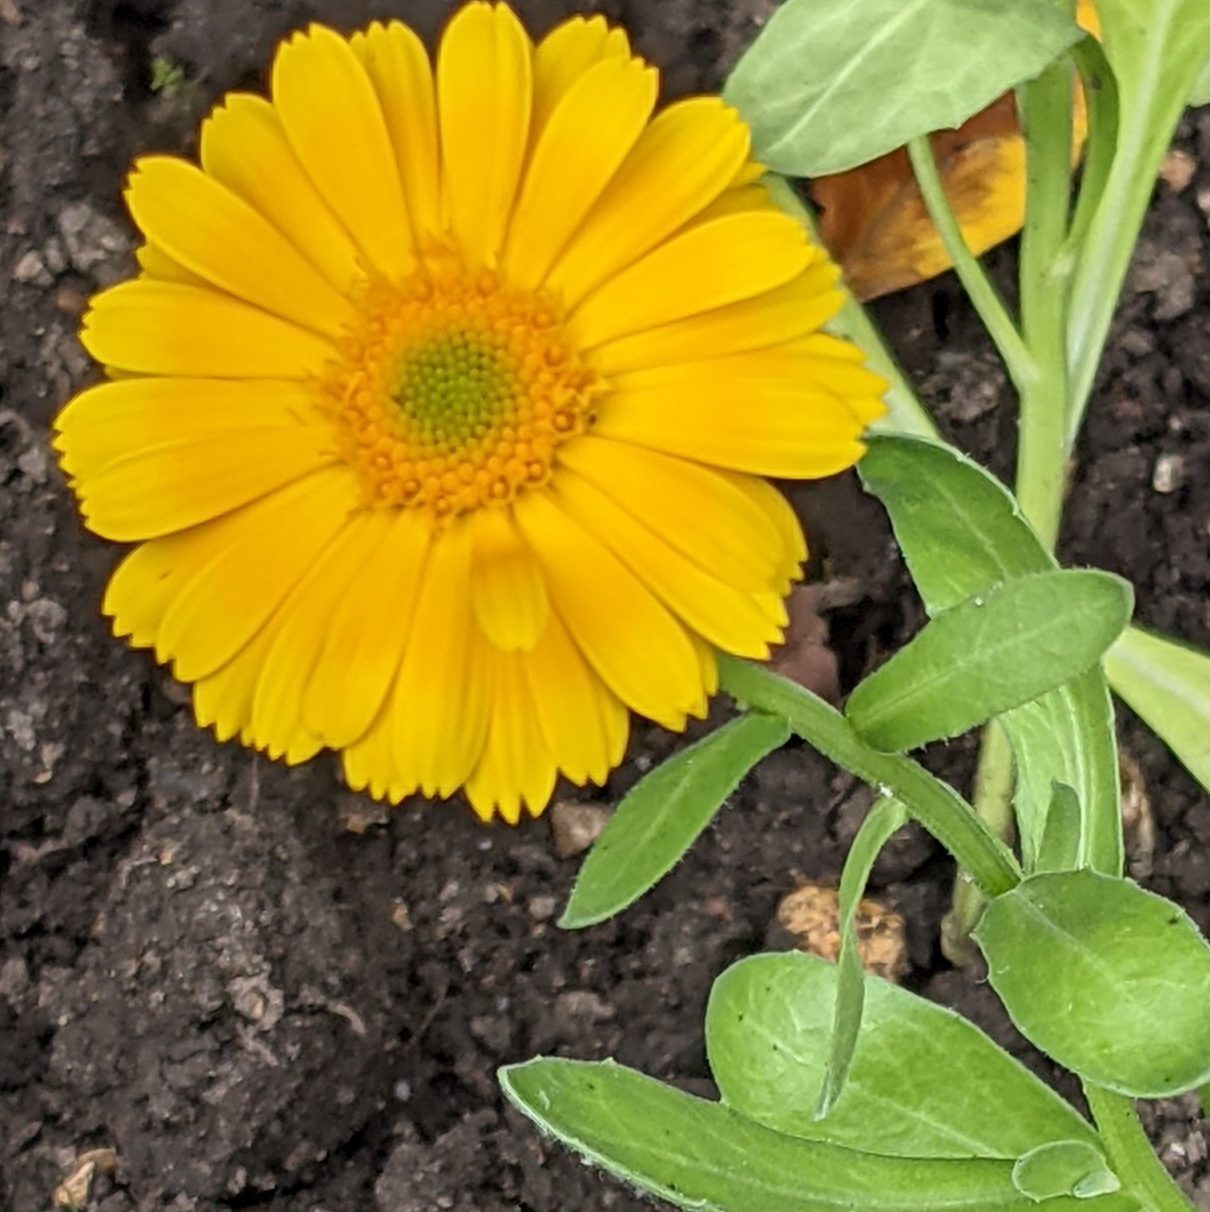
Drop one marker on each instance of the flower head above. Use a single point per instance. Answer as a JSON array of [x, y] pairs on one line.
[[439, 407]]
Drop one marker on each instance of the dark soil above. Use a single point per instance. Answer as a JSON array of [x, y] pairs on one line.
[[260, 991]]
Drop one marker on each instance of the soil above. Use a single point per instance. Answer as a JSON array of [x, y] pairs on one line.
[[261, 991]]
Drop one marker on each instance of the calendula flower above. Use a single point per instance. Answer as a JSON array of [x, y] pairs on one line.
[[440, 406]]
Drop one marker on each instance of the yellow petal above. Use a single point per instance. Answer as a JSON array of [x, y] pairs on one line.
[[515, 768], [164, 328], [399, 68], [156, 263], [367, 635], [214, 233], [299, 628], [768, 427], [223, 700], [588, 135], [244, 146], [272, 543], [720, 262], [579, 715], [638, 648], [484, 99], [507, 588], [839, 367], [146, 583], [728, 618], [781, 514], [696, 509], [369, 764], [335, 125], [565, 55], [798, 308], [684, 159], [113, 420], [161, 489], [443, 691]]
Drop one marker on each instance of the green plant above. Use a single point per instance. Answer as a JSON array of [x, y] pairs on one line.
[[839, 1091]]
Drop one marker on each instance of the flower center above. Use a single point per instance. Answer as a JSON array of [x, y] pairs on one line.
[[454, 390]]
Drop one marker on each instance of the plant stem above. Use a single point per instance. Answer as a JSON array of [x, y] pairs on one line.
[[993, 802], [1045, 273], [1131, 1154], [940, 809], [975, 282]]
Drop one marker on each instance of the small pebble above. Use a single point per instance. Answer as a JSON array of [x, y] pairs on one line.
[[1169, 473], [575, 826], [1177, 170]]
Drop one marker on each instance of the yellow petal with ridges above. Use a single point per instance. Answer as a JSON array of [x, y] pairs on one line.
[[696, 509], [367, 635], [799, 307], [114, 420], [508, 591], [588, 135], [569, 51], [484, 102], [272, 544], [781, 514], [223, 700], [165, 328], [156, 263], [720, 262], [399, 68], [577, 713], [299, 628], [161, 489], [215, 234], [515, 768], [146, 583], [685, 158], [369, 764], [335, 125], [443, 691], [637, 647], [728, 618], [244, 146], [765, 426]]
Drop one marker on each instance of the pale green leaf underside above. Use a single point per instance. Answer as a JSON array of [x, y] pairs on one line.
[[701, 1155], [1168, 684], [828, 85]]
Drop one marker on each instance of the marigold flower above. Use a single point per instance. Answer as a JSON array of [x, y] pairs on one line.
[[440, 406]]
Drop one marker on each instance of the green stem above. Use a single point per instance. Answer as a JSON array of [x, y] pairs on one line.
[[1045, 275], [940, 809], [993, 804], [975, 282], [1131, 1154]]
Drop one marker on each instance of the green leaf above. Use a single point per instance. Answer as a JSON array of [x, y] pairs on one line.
[[937, 806], [664, 814], [1201, 87], [961, 533], [885, 819], [1157, 50], [701, 1155], [1168, 684], [1060, 849], [989, 654], [1111, 981], [827, 86], [924, 1082], [1064, 1167]]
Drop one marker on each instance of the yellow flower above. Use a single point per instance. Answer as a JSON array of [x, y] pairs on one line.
[[440, 404]]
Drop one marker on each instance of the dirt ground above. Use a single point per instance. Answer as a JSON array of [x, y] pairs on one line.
[[258, 990]]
